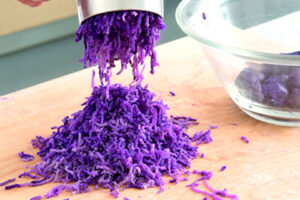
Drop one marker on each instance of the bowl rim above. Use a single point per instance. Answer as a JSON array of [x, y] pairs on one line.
[[259, 56]]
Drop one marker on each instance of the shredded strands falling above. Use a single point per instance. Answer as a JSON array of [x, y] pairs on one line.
[[125, 140], [128, 36]]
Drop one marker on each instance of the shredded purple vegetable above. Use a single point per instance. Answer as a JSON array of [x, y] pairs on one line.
[[187, 172], [26, 157], [126, 140], [15, 186], [126, 198], [185, 122], [214, 194], [128, 36], [202, 137], [7, 181], [245, 139], [202, 155], [203, 16], [183, 179], [29, 175], [174, 180], [213, 126], [223, 168], [36, 197], [222, 193], [233, 124], [172, 93]]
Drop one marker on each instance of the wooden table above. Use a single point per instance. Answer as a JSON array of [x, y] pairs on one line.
[[266, 168]]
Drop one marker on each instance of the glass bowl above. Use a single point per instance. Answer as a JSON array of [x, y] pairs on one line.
[[253, 47]]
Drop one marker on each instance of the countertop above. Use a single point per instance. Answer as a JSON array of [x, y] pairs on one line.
[[266, 168]]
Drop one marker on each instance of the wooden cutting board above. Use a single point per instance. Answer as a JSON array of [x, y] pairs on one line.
[[268, 168]]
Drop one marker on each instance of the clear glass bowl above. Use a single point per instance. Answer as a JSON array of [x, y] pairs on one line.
[[249, 45]]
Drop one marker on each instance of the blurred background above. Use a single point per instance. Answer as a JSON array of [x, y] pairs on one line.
[[37, 44]]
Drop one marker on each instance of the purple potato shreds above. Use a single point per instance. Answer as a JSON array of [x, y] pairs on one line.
[[233, 124], [202, 137], [128, 36], [183, 179], [172, 93], [126, 198], [203, 16], [29, 175], [213, 126], [187, 172], [183, 121], [214, 194], [126, 140], [26, 157], [36, 197], [15, 186], [245, 139], [223, 168], [174, 180], [7, 181]]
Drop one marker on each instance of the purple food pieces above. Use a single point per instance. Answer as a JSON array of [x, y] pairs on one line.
[[26, 157], [281, 78], [128, 36], [249, 84], [125, 140], [223, 168], [202, 137], [245, 139], [294, 99], [294, 80], [279, 87], [7, 181], [275, 93], [36, 197], [172, 93]]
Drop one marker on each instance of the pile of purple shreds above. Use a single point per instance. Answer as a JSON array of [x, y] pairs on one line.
[[125, 140], [128, 36]]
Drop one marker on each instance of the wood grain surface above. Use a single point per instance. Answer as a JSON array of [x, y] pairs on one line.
[[268, 168]]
